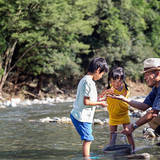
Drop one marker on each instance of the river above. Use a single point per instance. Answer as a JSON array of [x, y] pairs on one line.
[[23, 136]]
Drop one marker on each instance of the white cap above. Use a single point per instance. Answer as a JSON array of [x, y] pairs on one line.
[[151, 64]]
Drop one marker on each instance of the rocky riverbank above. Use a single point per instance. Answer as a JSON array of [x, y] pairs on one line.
[[137, 91], [15, 102]]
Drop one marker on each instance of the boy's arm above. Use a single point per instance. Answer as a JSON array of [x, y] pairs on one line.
[[87, 102], [105, 92], [102, 94]]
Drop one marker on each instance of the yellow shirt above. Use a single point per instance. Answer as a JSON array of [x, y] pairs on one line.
[[117, 109]]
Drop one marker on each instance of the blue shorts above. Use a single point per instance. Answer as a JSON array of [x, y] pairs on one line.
[[83, 128]]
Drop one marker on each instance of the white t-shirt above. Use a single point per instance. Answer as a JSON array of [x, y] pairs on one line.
[[86, 88]]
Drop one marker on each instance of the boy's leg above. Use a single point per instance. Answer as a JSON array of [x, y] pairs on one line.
[[85, 131], [86, 148]]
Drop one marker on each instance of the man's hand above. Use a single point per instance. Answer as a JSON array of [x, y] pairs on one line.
[[120, 97], [128, 130]]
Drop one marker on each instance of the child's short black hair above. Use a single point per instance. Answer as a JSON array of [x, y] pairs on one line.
[[98, 63], [116, 73]]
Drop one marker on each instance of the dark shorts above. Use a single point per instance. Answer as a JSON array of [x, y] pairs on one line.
[[157, 131], [83, 128]]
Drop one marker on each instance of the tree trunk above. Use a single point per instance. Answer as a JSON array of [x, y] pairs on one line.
[[40, 85], [7, 59], [7, 64]]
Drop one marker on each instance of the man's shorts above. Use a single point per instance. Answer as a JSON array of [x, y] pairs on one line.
[[83, 128], [157, 131]]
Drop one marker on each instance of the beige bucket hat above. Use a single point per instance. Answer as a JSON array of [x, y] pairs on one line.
[[151, 64]]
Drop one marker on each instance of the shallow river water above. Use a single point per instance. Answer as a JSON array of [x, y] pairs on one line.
[[23, 136]]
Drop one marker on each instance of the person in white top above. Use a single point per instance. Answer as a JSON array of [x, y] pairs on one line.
[[86, 101]]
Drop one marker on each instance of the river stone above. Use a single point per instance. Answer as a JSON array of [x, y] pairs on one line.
[[98, 121], [65, 120], [47, 119], [139, 156], [123, 149]]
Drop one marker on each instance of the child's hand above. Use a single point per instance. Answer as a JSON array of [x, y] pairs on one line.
[[101, 99], [102, 96], [103, 104], [109, 91]]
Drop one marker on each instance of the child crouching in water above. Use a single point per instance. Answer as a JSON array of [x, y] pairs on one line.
[[86, 100], [117, 109]]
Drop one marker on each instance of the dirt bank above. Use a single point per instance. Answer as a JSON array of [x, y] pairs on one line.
[[138, 89]]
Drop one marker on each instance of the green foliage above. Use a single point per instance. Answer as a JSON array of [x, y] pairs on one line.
[[127, 33], [54, 27], [59, 37]]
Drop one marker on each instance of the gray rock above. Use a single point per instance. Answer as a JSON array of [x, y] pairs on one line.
[[98, 121], [139, 156]]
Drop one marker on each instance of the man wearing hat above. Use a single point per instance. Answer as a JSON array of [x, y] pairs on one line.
[[152, 78]]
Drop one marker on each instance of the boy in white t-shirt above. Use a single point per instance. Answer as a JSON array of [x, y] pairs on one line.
[[86, 100]]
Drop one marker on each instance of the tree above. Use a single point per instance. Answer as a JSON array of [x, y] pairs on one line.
[[122, 34], [43, 37]]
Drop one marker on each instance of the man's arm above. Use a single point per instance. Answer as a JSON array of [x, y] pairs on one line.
[[138, 105], [133, 103], [146, 118]]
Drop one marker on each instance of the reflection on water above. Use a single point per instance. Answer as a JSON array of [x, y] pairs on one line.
[[23, 139]]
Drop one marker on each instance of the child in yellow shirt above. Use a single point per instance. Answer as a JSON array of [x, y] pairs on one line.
[[117, 109]]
